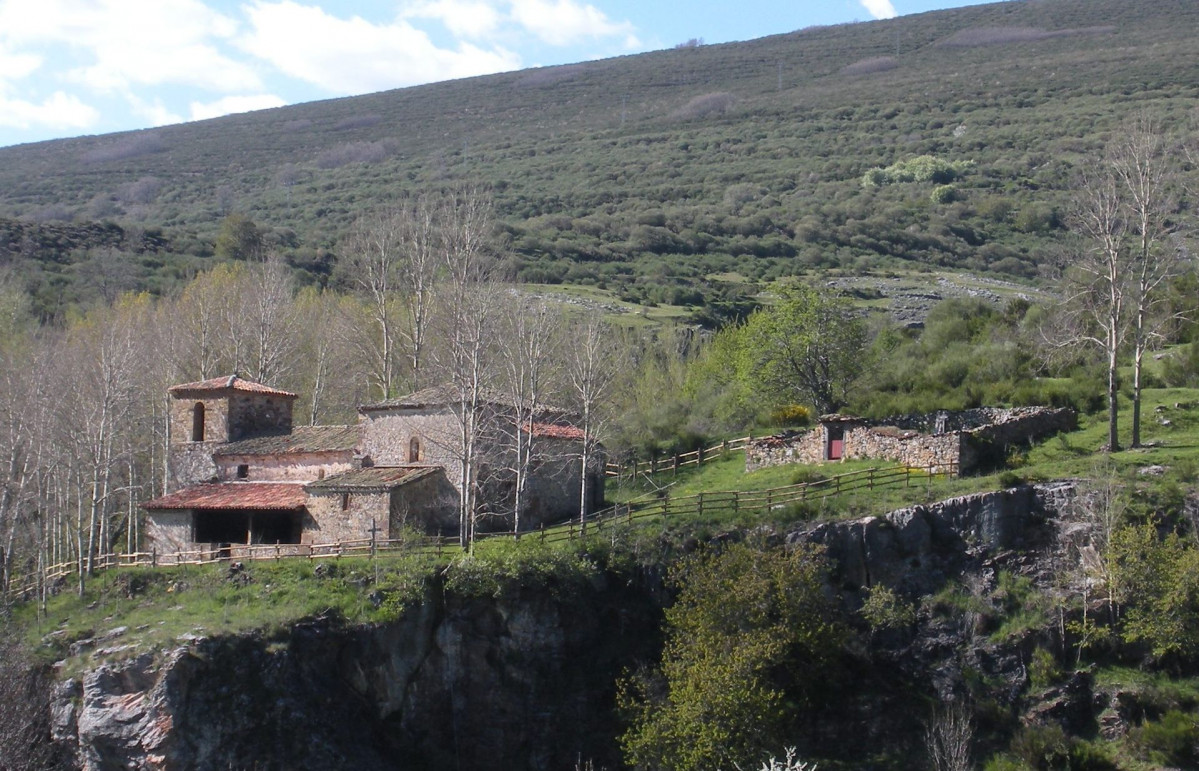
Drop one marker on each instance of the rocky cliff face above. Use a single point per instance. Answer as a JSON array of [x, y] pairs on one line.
[[523, 682], [526, 681]]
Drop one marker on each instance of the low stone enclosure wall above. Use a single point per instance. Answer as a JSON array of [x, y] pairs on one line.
[[942, 441]]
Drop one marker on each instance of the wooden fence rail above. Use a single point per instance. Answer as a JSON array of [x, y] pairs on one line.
[[435, 547], [673, 463]]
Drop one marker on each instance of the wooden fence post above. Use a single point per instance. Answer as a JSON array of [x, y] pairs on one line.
[[653, 463], [699, 459], [676, 464]]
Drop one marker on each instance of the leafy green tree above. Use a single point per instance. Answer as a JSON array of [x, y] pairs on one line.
[[1158, 581], [809, 347], [749, 641], [239, 238]]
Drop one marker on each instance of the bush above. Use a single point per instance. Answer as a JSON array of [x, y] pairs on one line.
[[884, 609], [791, 415], [1043, 670], [1173, 740]]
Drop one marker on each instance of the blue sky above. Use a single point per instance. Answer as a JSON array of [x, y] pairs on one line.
[[74, 67]]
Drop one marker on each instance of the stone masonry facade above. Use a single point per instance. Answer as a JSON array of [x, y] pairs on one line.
[[240, 476], [942, 441]]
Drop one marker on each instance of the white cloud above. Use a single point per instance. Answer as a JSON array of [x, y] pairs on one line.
[[564, 22], [234, 104], [471, 19], [14, 66], [126, 43], [353, 56], [155, 113], [879, 9], [58, 111]]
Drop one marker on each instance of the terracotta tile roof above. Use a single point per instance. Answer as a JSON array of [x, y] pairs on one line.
[[234, 495], [301, 439], [231, 382], [376, 479], [557, 431]]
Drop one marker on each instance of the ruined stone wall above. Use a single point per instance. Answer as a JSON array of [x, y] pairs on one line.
[[190, 464], [169, 531], [908, 439], [254, 414], [292, 467], [1024, 424], [941, 452], [328, 522], [788, 447]]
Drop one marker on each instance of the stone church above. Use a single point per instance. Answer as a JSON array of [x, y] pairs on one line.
[[240, 474]]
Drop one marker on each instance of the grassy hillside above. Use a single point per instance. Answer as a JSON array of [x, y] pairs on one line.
[[671, 175]]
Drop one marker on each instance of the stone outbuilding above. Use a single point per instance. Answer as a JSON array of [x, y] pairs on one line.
[[942, 442], [239, 473]]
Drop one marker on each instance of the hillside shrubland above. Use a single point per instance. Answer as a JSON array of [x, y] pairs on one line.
[[679, 176]]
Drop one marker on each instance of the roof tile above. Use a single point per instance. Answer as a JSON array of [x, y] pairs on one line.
[[234, 495], [375, 478], [231, 382], [302, 439]]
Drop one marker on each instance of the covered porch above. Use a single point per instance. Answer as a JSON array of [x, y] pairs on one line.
[[226, 514]]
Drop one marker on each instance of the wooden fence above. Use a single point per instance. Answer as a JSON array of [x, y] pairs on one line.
[[436, 547], [631, 469]]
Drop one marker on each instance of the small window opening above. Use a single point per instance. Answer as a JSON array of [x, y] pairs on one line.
[[345, 501], [243, 471], [320, 474], [198, 422], [414, 450]]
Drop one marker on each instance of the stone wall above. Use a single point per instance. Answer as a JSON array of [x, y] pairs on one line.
[[169, 531], [290, 467], [388, 436], [784, 448], [254, 414], [329, 522], [216, 419], [969, 437], [189, 464], [938, 452], [1025, 424], [428, 504]]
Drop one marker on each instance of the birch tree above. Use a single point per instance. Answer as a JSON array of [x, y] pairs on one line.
[[591, 371], [527, 353], [468, 302], [1096, 278], [1142, 163], [370, 259]]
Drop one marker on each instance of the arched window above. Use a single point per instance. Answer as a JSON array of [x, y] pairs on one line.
[[414, 450], [198, 422]]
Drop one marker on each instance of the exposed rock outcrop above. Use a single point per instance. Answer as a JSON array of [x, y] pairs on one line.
[[520, 682]]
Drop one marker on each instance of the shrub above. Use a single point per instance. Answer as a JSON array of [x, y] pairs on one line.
[[1173, 740], [791, 415], [1043, 670], [943, 194], [884, 609]]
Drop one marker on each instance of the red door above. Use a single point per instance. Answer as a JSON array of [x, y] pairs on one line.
[[836, 439]]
